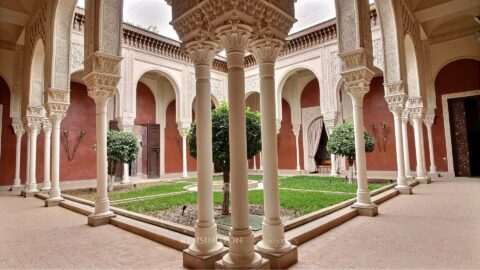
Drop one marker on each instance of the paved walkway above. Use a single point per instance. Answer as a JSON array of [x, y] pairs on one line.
[[36, 237], [437, 227]]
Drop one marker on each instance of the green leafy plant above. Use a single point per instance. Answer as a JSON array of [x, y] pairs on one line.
[[342, 142], [220, 145], [122, 147]]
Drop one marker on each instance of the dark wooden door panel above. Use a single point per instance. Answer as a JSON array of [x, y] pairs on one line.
[[459, 135], [153, 150]]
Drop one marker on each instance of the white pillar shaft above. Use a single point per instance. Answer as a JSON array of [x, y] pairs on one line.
[[18, 152], [333, 162], [101, 202], [363, 194], [433, 168], [255, 163], [417, 127], [27, 173], [46, 160], [32, 183], [297, 150], [406, 151], [184, 155], [422, 141], [238, 141], [125, 176], [397, 118], [205, 228], [261, 160], [273, 229], [54, 193]]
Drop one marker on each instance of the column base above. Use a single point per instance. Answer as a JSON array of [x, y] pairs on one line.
[[125, 182], [433, 174], [281, 260], [193, 261], [264, 264], [53, 202], [404, 189], [29, 193], [45, 189], [17, 189], [96, 220], [424, 180], [366, 210]]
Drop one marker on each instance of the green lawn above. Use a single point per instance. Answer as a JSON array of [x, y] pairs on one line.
[[303, 201], [163, 188], [326, 183]]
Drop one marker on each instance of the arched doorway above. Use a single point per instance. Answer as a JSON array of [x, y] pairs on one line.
[[457, 87]]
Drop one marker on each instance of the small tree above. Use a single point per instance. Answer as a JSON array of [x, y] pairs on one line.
[[342, 142], [220, 145], [122, 147]]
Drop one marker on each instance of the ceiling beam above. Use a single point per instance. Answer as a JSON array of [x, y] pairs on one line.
[[444, 9], [13, 17]]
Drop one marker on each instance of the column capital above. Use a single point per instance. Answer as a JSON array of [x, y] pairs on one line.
[[234, 35], [202, 51], [58, 101], [266, 49], [429, 117], [47, 125], [184, 128], [103, 75], [34, 115], [330, 119], [415, 108], [18, 129], [396, 102]]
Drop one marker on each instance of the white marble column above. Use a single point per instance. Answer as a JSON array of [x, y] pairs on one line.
[[32, 181], [241, 254], [265, 51], [19, 131], [416, 111], [55, 193], [261, 160], [429, 119], [202, 54], [254, 163], [396, 104], [296, 133], [102, 203], [27, 158], [206, 244], [329, 120], [406, 151], [47, 130], [184, 133]]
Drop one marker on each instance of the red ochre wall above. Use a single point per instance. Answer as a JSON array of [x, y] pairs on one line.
[[375, 111], [145, 105], [458, 76], [80, 117], [286, 139], [173, 145]]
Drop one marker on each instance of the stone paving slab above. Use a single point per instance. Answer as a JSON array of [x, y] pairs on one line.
[[36, 237], [438, 227]]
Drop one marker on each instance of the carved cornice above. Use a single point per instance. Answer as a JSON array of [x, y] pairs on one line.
[[58, 102], [152, 42], [103, 75], [355, 59]]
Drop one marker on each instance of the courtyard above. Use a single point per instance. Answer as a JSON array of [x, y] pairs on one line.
[[446, 234]]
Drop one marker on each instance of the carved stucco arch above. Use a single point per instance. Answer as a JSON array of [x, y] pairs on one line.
[[36, 79], [412, 68], [59, 56], [166, 74], [283, 79], [390, 38]]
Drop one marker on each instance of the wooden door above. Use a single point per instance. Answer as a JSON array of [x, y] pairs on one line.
[[458, 123], [153, 150]]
